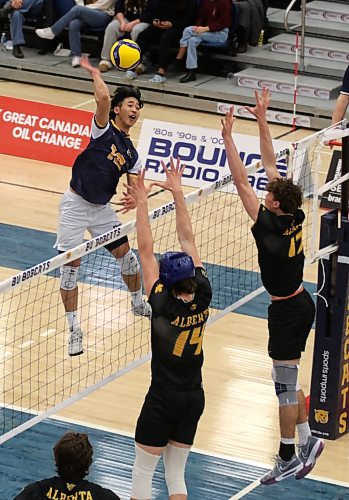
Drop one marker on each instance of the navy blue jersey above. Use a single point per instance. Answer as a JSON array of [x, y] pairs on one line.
[[345, 83], [280, 250], [55, 487], [177, 333], [97, 170]]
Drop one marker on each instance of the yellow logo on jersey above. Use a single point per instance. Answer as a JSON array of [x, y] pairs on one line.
[[195, 319], [321, 416], [193, 307], [55, 494], [117, 157], [70, 486], [159, 288]]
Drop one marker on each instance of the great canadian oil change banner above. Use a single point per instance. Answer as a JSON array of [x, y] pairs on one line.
[[44, 132]]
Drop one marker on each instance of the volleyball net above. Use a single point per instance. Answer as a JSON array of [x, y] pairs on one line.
[[37, 378]]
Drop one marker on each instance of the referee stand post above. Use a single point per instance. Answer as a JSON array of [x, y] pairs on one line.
[[329, 395]]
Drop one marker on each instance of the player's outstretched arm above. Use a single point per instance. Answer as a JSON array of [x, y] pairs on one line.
[[266, 143], [150, 268], [184, 228], [237, 168], [340, 108], [101, 92]]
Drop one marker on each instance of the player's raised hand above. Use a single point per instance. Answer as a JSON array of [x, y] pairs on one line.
[[174, 174], [136, 192], [262, 103], [227, 123], [85, 63]]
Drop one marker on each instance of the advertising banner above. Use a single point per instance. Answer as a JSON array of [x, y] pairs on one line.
[[43, 132], [201, 149], [332, 197]]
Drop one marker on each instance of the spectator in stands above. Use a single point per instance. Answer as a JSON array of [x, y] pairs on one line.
[[18, 10], [131, 17], [212, 25], [165, 31], [96, 14], [343, 100], [252, 19], [73, 457]]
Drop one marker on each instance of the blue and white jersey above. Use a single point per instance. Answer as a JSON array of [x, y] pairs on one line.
[[97, 170], [345, 84]]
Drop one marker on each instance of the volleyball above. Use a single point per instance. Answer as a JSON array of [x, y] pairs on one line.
[[125, 54]]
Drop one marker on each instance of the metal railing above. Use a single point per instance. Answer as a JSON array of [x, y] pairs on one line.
[[296, 28]]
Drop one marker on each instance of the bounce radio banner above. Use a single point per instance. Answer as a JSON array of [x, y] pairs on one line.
[[43, 132], [201, 149]]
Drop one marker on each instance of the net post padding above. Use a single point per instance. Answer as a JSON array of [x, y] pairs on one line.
[[329, 415], [345, 172]]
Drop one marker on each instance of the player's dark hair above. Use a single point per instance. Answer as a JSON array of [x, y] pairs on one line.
[[73, 456], [122, 93], [288, 194], [188, 285]]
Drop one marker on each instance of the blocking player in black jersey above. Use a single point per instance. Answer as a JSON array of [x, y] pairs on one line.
[[73, 458], [85, 205], [277, 230], [179, 293]]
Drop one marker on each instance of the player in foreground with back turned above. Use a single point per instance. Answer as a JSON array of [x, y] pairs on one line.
[[85, 205], [73, 458], [277, 231], [179, 294]]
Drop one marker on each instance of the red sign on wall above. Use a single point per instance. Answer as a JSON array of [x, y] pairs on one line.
[[43, 132]]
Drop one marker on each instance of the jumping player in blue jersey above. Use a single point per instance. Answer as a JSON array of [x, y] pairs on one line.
[[85, 205], [179, 293], [277, 231]]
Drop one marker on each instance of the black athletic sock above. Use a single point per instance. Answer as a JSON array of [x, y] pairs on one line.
[[286, 451]]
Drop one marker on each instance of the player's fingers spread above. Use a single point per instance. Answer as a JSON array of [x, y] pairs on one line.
[[164, 166]]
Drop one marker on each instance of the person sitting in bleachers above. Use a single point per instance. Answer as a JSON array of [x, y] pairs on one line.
[[131, 17], [96, 14], [212, 25], [17, 11], [165, 31], [252, 20]]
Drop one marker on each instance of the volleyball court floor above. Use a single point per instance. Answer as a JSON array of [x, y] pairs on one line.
[[239, 429], [210, 476]]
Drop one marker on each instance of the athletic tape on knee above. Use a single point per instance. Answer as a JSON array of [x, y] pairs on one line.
[[129, 263], [175, 460], [142, 474], [285, 379], [69, 277]]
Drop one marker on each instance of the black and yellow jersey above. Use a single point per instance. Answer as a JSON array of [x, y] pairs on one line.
[[177, 330], [280, 250], [56, 488]]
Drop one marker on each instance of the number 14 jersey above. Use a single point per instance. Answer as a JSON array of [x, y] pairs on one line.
[[177, 330]]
